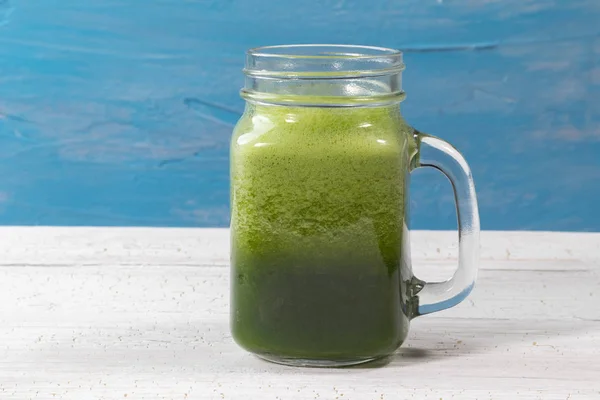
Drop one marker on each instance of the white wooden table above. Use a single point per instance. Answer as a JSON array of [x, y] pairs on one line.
[[114, 313]]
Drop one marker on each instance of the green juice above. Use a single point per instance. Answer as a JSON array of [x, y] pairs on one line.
[[318, 228]]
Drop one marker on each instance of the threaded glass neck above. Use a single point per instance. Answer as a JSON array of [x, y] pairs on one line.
[[323, 75]]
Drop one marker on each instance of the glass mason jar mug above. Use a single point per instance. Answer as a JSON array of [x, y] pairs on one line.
[[320, 163]]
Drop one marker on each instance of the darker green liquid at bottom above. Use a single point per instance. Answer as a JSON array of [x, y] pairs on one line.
[[317, 312]]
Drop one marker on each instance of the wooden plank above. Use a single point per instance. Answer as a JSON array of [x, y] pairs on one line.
[[89, 245], [81, 322]]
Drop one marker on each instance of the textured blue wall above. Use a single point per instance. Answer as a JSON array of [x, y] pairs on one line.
[[118, 112]]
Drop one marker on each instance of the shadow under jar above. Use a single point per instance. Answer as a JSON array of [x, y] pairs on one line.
[[320, 164]]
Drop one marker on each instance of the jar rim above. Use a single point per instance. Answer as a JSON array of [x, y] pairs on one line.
[[322, 61], [300, 51]]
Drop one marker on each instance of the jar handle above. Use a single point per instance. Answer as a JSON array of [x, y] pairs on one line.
[[441, 155]]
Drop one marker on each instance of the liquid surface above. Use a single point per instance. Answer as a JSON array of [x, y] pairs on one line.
[[317, 224]]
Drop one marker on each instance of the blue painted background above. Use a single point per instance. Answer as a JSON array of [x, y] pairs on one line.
[[119, 112]]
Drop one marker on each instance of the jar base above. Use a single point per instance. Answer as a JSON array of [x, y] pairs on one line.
[[302, 362]]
